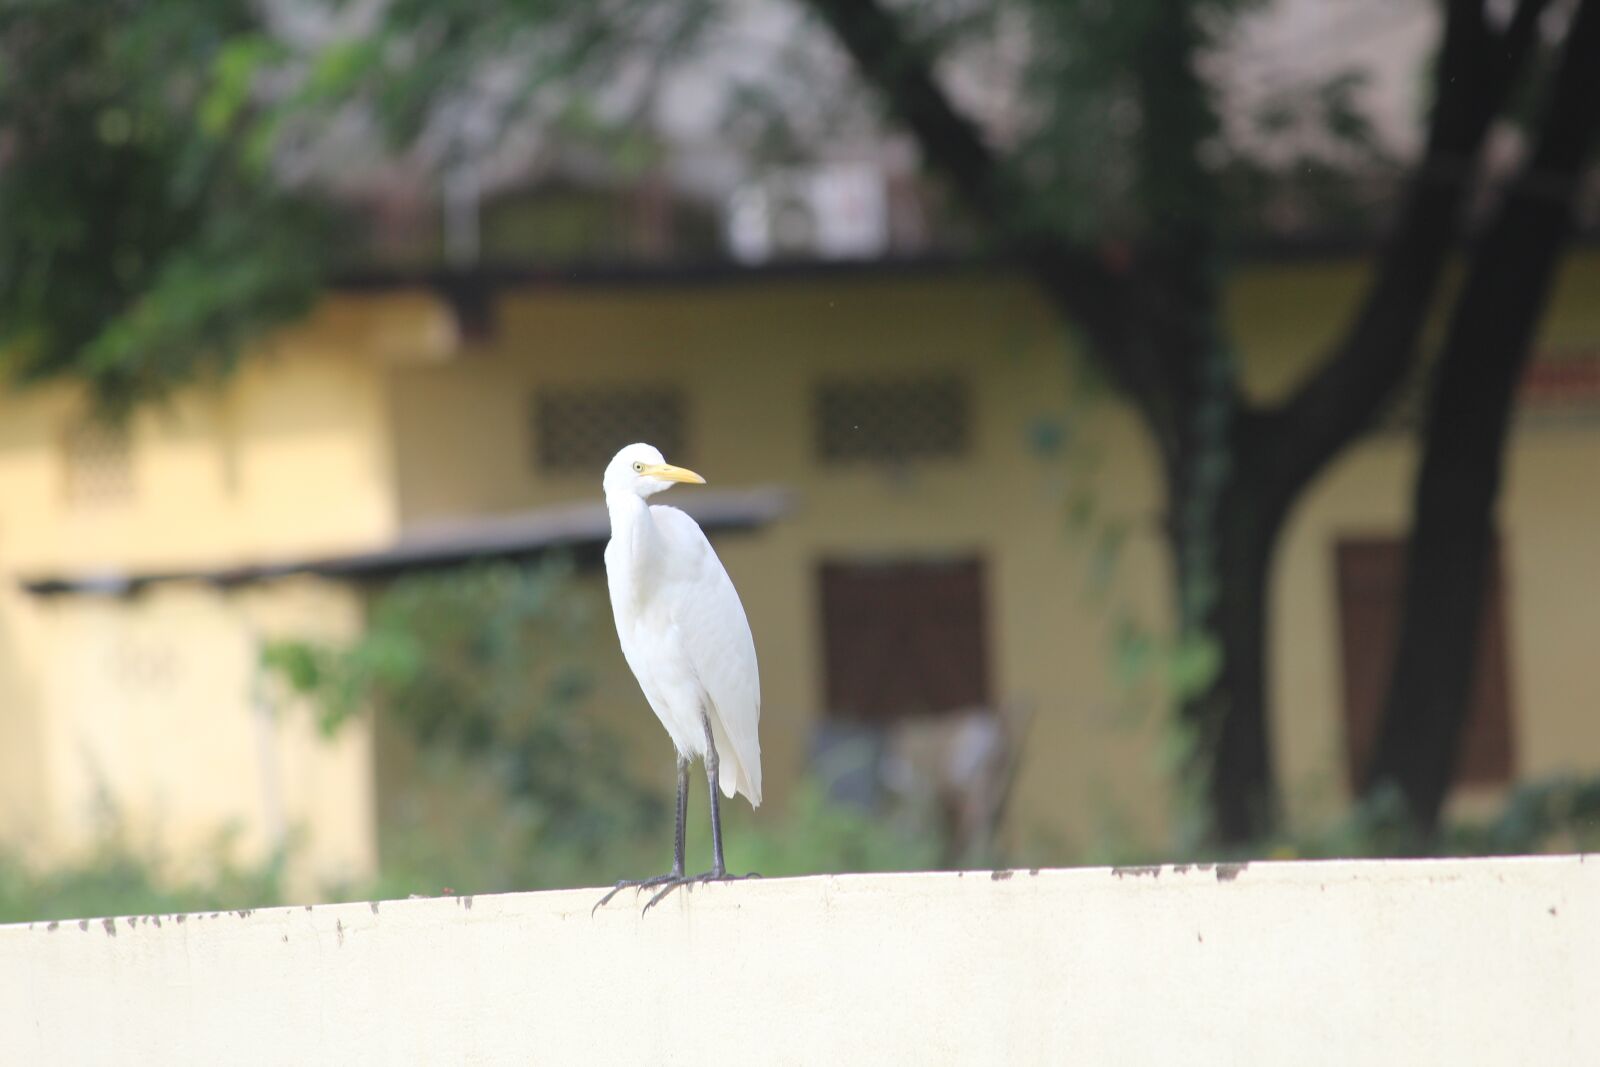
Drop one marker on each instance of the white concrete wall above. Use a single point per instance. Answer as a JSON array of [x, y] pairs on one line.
[[1459, 962]]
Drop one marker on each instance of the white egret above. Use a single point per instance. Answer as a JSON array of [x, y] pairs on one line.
[[684, 634]]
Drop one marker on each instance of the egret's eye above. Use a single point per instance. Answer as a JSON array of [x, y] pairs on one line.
[[638, 468]]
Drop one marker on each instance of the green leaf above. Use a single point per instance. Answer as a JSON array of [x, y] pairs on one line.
[[233, 75], [1133, 653], [1194, 663], [341, 66], [294, 661]]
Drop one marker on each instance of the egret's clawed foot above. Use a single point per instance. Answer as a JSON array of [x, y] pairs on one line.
[[694, 880], [637, 884]]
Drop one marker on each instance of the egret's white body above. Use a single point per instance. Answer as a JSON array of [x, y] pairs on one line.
[[682, 628]]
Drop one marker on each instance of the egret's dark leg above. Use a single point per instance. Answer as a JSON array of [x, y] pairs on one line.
[[719, 870], [683, 816], [713, 765], [677, 844]]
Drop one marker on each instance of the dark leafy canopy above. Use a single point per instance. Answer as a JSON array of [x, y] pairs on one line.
[[148, 233], [466, 70], [1082, 159], [143, 237], [147, 237]]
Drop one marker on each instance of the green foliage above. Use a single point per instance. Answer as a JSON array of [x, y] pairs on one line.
[[488, 853], [512, 783], [141, 247], [473, 654], [1119, 110], [488, 661], [150, 233], [427, 64], [447, 822], [123, 877], [1560, 814], [1555, 814], [483, 672], [1183, 664], [1327, 170], [818, 836], [456, 835]]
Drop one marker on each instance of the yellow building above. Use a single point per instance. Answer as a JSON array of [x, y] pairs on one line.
[[893, 456]]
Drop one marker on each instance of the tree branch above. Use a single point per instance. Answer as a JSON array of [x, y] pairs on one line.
[[1176, 276], [1075, 277], [1342, 398], [1474, 390], [886, 57]]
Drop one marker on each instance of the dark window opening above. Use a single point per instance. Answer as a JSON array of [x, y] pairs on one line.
[[904, 638], [1371, 573]]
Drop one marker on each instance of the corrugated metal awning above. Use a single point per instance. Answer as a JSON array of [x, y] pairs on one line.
[[443, 542]]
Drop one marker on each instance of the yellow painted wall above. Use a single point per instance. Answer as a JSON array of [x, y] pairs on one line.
[[368, 418], [289, 457], [158, 726], [24, 803], [141, 709], [749, 356]]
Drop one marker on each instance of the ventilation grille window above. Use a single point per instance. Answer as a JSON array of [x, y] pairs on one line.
[[98, 465], [893, 420], [579, 430]]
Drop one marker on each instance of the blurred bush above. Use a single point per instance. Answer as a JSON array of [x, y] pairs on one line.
[[125, 877], [511, 781], [500, 854], [485, 668], [497, 852], [1555, 814]]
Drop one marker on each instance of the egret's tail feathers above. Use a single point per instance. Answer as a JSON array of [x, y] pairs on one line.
[[750, 774], [733, 779], [738, 771]]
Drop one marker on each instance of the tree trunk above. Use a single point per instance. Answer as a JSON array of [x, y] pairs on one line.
[[1230, 728], [1447, 555], [1485, 352], [1232, 472]]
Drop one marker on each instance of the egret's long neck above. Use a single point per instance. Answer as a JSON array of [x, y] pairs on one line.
[[631, 528]]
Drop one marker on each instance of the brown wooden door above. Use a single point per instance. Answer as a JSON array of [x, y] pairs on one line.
[[904, 638], [1371, 574]]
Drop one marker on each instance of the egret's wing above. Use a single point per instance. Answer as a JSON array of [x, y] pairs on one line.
[[619, 590], [716, 636]]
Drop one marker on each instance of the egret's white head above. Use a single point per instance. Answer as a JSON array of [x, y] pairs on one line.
[[640, 469]]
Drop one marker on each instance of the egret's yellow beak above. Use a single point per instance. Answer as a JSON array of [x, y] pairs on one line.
[[668, 473]]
